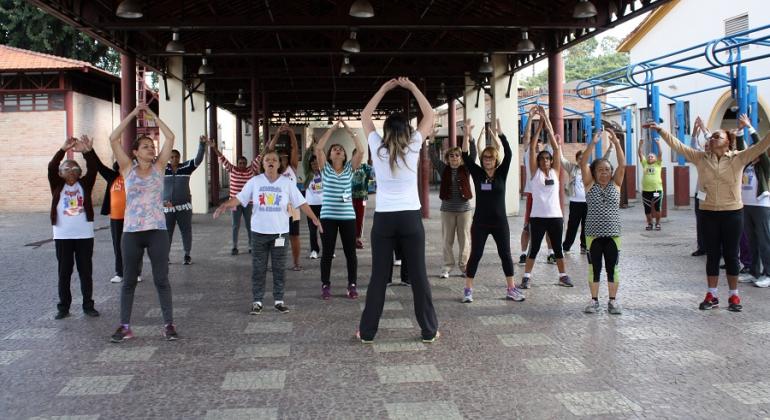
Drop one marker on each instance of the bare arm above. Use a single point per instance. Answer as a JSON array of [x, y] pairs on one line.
[[168, 144], [689, 153], [124, 161], [310, 215], [639, 150], [620, 171], [294, 156], [425, 126], [271, 144], [366, 113], [585, 170], [358, 156], [227, 205], [320, 148], [467, 135]]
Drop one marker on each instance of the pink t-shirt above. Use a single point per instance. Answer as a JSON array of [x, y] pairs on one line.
[[144, 202]]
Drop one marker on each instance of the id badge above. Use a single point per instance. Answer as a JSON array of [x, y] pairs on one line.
[[280, 241], [347, 197], [656, 194], [486, 187]]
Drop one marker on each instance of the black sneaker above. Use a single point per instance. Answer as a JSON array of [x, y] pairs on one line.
[[745, 270], [524, 283], [522, 259], [710, 302], [91, 312], [281, 307], [187, 260], [61, 315], [698, 253], [551, 259], [256, 308], [234, 251], [122, 334], [170, 332]]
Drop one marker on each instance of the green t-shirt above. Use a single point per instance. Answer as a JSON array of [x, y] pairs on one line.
[[651, 178]]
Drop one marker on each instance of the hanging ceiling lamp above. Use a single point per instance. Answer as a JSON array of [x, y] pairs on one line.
[[441, 97], [351, 44], [347, 68], [129, 9], [584, 9], [361, 9], [205, 69], [525, 44], [240, 101], [486, 67], [174, 46]]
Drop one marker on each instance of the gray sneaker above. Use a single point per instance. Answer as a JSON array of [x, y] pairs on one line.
[[467, 295], [593, 307], [256, 308], [565, 281], [614, 307], [524, 284], [514, 294]]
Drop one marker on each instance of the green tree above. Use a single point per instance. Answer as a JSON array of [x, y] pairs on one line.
[[25, 26], [589, 58]]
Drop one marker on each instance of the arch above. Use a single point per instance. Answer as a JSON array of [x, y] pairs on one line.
[[725, 101]]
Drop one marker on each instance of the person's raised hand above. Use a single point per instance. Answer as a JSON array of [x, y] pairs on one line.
[[390, 85], [404, 82], [203, 139], [557, 138], [69, 143], [743, 121], [533, 111], [652, 125], [597, 136], [87, 143]]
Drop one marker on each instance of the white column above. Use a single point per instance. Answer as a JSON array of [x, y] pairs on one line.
[[506, 109], [187, 126]]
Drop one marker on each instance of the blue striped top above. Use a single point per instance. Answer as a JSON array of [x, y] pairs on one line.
[[338, 197]]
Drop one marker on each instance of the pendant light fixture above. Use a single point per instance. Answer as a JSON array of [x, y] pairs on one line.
[[351, 44], [347, 68], [174, 46], [129, 9], [525, 44], [361, 9], [441, 97], [486, 67], [205, 69], [240, 101], [584, 9]]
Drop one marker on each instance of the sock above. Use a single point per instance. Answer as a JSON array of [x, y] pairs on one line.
[[550, 251], [524, 251], [258, 302], [612, 298], [713, 291], [526, 275], [562, 274], [125, 326], [279, 302], [733, 292]]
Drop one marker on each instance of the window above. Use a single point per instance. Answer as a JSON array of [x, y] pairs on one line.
[[675, 125], [736, 25], [26, 102]]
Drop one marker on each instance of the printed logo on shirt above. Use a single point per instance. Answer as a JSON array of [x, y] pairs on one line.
[[269, 199], [651, 171], [316, 184], [72, 202]]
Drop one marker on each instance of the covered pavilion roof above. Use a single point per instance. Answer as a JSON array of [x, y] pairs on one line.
[[292, 48]]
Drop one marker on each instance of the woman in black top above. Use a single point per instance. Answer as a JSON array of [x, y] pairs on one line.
[[490, 215]]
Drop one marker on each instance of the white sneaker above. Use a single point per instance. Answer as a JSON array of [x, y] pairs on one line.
[[116, 279], [138, 279], [313, 255], [762, 281], [397, 262], [592, 307], [444, 274], [747, 278]]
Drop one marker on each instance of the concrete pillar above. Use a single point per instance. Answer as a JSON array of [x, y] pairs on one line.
[[265, 124], [238, 136], [478, 115], [214, 166], [254, 116], [128, 97], [681, 186], [506, 110], [187, 125], [452, 117], [556, 102]]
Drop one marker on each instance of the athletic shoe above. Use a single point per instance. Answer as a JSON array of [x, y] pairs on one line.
[[524, 284], [91, 312], [614, 307], [256, 308], [522, 259], [138, 279], [593, 307], [122, 334], [514, 294], [359, 244], [698, 253], [116, 279], [551, 259], [444, 274], [61, 315], [363, 340], [763, 281], [467, 295], [169, 332], [352, 292], [649, 226], [583, 250], [657, 226], [734, 303], [432, 339], [187, 260], [281, 307], [746, 278], [326, 292], [397, 262], [709, 302], [313, 255], [565, 281], [566, 250], [745, 270], [234, 251]]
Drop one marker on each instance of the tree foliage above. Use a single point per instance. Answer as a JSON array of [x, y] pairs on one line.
[[25, 26], [589, 58]]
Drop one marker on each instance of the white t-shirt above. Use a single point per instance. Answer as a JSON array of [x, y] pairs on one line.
[[547, 148], [71, 221], [289, 174], [579, 192], [545, 194], [749, 189], [314, 192], [271, 199], [396, 191]]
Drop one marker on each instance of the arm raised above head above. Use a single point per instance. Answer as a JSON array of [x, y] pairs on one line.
[[371, 106]]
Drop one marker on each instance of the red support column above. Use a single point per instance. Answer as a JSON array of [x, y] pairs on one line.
[[214, 164], [239, 136], [70, 115], [681, 185], [128, 97], [452, 115], [556, 102], [664, 210]]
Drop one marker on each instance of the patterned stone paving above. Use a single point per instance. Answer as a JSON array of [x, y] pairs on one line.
[[542, 358]]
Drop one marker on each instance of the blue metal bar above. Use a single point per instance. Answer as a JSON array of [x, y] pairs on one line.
[[680, 133], [598, 125], [628, 118], [754, 106], [653, 101], [758, 79], [743, 95]]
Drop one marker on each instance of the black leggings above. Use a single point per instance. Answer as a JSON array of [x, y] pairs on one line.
[[721, 236], [502, 237], [607, 247], [405, 229], [577, 218], [539, 226], [313, 229], [347, 229]]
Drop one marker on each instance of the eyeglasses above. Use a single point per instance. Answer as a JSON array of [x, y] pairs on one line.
[[71, 169], [454, 155], [487, 157]]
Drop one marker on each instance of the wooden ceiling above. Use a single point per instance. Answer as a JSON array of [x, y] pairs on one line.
[[292, 48]]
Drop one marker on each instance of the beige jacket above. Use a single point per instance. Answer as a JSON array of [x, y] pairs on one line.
[[720, 178]]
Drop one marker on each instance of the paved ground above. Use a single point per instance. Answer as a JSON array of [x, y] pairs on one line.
[[544, 358]]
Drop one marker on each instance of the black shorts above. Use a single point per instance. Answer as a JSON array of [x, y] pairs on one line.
[[294, 227], [649, 200]]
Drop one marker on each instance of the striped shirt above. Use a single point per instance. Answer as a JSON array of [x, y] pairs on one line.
[[239, 177], [338, 197]]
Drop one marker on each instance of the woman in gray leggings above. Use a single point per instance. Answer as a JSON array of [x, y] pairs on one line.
[[144, 225]]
